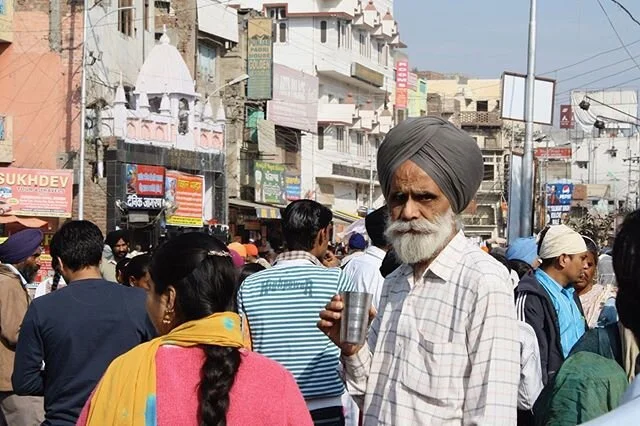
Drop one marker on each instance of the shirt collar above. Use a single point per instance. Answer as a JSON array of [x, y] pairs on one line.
[[376, 252], [15, 271], [441, 265], [298, 255], [550, 284]]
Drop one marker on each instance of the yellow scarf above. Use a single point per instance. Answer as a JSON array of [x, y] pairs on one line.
[[126, 395]]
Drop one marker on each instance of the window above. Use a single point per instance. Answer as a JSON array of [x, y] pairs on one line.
[[146, 15], [163, 6], [279, 16], [2, 10], [482, 106], [2, 125], [362, 147], [183, 117], [320, 138], [380, 50], [344, 34], [401, 115], [342, 143], [489, 172], [282, 32], [323, 31], [362, 43], [206, 61], [125, 17]]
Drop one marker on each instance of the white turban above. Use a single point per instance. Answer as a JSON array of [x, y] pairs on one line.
[[559, 240]]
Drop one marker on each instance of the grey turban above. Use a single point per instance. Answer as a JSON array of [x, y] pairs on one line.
[[448, 155]]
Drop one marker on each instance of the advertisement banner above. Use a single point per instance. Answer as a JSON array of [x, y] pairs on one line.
[[186, 193], [270, 183], [35, 192], [294, 186], [145, 186], [259, 58], [559, 197], [295, 99], [553, 153], [402, 83], [566, 117]]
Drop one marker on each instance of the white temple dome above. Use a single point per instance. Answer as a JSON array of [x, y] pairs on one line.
[[165, 71]]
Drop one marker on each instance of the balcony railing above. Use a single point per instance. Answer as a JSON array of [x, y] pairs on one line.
[[480, 118], [336, 113]]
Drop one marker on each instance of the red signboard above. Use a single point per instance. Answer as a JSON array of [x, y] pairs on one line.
[[186, 193], [35, 192], [402, 83], [566, 117], [553, 153], [145, 186]]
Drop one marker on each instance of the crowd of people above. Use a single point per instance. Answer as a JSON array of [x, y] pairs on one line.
[[208, 333]]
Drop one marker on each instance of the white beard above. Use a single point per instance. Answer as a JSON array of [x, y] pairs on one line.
[[420, 240]]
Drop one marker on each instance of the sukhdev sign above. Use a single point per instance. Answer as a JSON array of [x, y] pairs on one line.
[[34, 192]]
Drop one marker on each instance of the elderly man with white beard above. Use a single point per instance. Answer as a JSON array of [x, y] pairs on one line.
[[443, 348]]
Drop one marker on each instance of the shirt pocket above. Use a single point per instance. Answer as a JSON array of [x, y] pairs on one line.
[[426, 370]]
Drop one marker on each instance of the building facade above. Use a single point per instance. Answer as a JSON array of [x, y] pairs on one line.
[[474, 106], [348, 46]]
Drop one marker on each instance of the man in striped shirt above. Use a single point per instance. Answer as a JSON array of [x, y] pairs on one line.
[[281, 306]]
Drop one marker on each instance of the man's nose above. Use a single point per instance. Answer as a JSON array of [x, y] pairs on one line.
[[410, 210]]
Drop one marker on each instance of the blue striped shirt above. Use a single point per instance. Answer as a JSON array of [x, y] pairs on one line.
[[282, 306]]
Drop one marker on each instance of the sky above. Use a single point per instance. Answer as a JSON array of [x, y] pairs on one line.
[[483, 38]]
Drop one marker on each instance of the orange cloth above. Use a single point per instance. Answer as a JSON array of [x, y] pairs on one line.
[[252, 250], [238, 248]]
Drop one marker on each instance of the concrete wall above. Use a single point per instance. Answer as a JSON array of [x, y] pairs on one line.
[[40, 86], [120, 53]]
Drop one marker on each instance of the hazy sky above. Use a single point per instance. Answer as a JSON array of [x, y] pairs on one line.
[[483, 38]]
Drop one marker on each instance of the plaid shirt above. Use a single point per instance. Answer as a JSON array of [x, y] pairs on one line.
[[444, 350], [298, 255]]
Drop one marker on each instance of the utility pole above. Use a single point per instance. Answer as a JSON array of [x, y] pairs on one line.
[[527, 164], [83, 108], [371, 180]]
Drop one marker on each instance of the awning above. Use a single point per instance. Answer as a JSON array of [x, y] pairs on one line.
[[345, 217], [29, 222], [262, 211]]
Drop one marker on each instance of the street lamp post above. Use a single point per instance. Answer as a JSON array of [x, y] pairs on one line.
[[527, 163], [236, 80], [83, 101]]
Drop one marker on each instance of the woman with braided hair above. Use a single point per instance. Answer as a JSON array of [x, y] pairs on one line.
[[197, 372]]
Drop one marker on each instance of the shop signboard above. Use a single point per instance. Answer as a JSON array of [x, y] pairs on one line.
[[553, 153], [293, 186], [185, 192], [559, 197], [259, 58], [295, 99], [145, 186], [270, 183], [36, 192], [402, 84]]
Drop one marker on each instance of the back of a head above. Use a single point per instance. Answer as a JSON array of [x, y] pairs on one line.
[[521, 268], [375, 224], [502, 259], [139, 266], [301, 222], [626, 265], [200, 268], [122, 273], [78, 244], [248, 270], [592, 247]]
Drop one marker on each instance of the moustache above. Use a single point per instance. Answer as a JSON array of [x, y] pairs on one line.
[[416, 226]]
